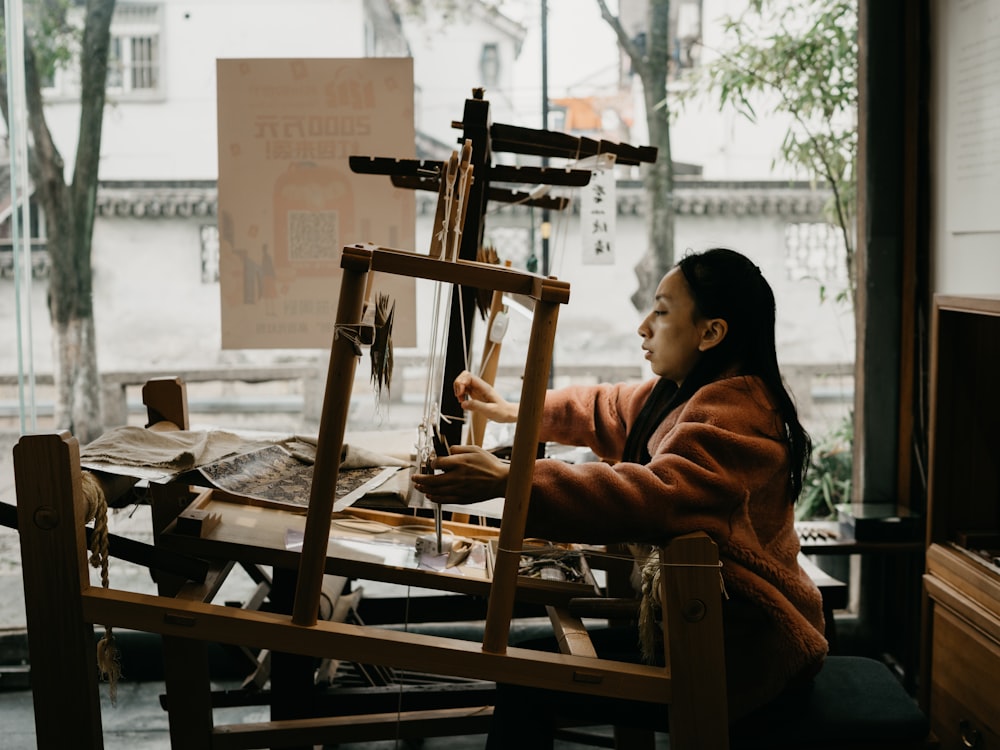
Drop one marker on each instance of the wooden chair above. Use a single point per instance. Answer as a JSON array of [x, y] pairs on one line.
[[62, 606]]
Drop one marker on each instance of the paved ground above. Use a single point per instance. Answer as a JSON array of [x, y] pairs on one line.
[[138, 723]]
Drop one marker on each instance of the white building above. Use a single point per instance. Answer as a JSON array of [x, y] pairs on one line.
[[155, 239]]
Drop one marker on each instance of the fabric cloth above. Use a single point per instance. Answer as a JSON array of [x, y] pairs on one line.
[[182, 450], [174, 450], [719, 465]]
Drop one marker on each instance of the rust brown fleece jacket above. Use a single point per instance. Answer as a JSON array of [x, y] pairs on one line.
[[720, 465]]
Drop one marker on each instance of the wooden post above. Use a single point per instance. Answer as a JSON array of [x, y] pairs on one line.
[[690, 590], [356, 263], [166, 401], [63, 650], [189, 692], [522, 462]]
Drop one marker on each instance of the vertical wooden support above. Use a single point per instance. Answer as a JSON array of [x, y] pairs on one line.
[[189, 692], [185, 660], [355, 264], [166, 404], [522, 462], [690, 590], [166, 401], [61, 645], [292, 675]]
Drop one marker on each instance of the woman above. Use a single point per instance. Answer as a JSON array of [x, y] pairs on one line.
[[712, 444]]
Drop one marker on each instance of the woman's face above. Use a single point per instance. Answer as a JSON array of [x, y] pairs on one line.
[[673, 337]]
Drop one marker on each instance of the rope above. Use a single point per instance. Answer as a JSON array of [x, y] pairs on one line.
[[349, 332], [108, 661]]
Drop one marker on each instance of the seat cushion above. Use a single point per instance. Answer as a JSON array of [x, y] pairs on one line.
[[852, 699]]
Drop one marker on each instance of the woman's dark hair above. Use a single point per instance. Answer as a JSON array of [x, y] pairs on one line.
[[726, 284]]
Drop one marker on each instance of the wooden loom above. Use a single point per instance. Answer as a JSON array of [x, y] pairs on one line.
[[486, 139], [62, 605]]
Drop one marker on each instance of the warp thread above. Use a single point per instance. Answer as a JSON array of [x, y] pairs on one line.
[[108, 661]]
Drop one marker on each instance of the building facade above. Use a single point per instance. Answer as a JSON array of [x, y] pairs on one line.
[[155, 254]]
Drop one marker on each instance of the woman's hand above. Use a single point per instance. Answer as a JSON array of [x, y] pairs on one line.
[[468, 475], [476, 395]]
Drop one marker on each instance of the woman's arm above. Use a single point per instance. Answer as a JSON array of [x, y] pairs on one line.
[[598, 417], [469, 474], [478, 396], [721, 453]]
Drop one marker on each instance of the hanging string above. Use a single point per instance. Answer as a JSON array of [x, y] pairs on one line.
[[485, 358], [561, 229], [465, 342], [108, 661], [455, 183], [435, 376], [399, 698]]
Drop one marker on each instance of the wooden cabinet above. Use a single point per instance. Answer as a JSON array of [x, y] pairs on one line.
[[961, 676]]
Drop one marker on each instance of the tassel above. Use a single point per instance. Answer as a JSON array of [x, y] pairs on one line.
[[109, 663], [649, 608], [381, 350]]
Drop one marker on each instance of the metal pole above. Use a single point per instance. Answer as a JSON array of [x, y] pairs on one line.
[[546, 222], [545, 126], [20, 197]]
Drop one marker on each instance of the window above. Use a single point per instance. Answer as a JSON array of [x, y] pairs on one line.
[[134, 56], [40, 261], [815, 250], [209, 254], [687, 33], [489, 65]]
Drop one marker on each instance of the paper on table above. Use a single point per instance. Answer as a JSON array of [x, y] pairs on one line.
[[274, 476]]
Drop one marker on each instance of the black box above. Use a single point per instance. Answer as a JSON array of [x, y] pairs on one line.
[[879, 522]]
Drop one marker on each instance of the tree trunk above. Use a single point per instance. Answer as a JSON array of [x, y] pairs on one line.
[[78, 388], [651, 61], [70, 210], [658, 177]]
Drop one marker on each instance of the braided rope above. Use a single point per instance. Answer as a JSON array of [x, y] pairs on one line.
[[108, 661]]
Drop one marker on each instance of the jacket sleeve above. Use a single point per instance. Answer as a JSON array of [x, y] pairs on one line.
[[721, 451], [598, 417]]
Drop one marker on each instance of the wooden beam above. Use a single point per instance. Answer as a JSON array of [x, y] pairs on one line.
[[416, 651]]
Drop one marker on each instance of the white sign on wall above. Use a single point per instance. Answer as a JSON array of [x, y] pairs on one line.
[[598, 210], [973, 115]]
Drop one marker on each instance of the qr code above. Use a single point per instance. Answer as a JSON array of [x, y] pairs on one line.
[[313, 235]]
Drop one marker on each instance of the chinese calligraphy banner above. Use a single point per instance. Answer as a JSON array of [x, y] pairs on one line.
[[288, 201], [598, 211]]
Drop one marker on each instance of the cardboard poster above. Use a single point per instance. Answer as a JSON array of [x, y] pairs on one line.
[[972, 133], [289, 203]]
